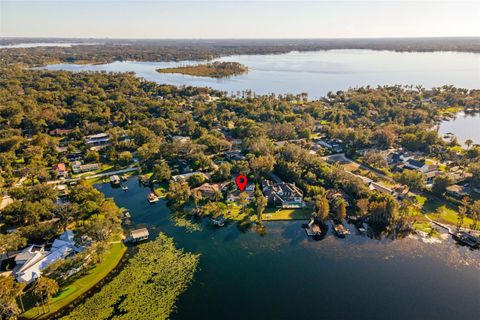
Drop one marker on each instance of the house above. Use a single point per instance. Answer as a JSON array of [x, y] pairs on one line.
[[61, 170], [62, 190], [185, 176], [77, 167], [209, 190], [100, 139], [59, 132], [233, 194], [61, 149], [180, 139], [334, 145], [31, 261], [431, 175], [75, 156], [414, 164], [458, 191], [234, 155], [382, 189], [282, 194]]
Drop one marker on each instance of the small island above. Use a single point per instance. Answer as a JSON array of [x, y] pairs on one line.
[[211, 70]]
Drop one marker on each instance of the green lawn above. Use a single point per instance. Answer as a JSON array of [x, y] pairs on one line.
[[71, 292], [441, 211], [426, 227], [161, 189], [273, 214]]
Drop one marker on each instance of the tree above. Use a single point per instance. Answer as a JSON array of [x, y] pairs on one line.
[[214, 208], [375, 159], [468, 143], [475, 214], [262, 164], [197, 197], [440, 184], [340, 209], [10, 290], [196, 180], [413, 179], [161, 172], [243, 201], [362, 207], [462, 211], [125, 158], [178, 193], [45, 288], [260, 202], [92, 156], [11, 241], [322, 207], [223, 172]]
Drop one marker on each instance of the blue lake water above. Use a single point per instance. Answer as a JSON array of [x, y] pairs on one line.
[[284, 275], [463, 126], [319, 72]]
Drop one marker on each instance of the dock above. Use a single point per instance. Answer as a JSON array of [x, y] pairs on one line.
[[313, 229], [339, 229], [138, 235]]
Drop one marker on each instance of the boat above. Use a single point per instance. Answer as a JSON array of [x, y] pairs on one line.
[[115, 180], [313, 229], [360, 226], [339, 229], [152, 197], [124, 188], [218, 222], [466, 239]]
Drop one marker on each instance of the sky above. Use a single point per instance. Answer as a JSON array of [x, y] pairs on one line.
[[238, 19]]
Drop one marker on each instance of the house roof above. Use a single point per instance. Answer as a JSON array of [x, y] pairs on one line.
[[139, 233], [208, 188], [60, 167], [416, 163], [380, 188]]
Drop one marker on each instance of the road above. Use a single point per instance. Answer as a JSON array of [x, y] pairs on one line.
[[94, 176], [341, 157]]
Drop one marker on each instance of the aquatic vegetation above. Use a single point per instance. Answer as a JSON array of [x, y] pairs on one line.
[[181, 221], [147, 288]]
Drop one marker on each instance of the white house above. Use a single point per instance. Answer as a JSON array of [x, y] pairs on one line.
[[32, 260]]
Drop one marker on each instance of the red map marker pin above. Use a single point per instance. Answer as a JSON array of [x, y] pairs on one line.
[[241, 181]]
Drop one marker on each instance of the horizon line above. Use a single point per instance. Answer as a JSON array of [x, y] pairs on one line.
[[241, 38]]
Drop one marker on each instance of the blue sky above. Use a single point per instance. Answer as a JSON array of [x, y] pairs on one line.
[[238, 19]]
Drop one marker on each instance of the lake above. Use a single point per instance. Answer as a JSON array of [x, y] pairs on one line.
[[463, 126], [319, 72], [284, 275]]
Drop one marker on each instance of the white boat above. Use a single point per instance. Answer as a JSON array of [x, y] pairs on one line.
[[124, 188], [152, 197]]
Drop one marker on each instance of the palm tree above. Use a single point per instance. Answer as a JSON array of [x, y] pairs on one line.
[[468, 143], [45, 288], [197, 197]]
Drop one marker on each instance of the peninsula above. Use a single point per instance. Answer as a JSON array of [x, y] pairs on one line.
[[211, 70]]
